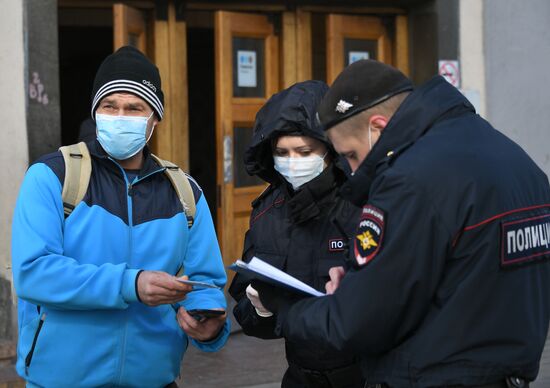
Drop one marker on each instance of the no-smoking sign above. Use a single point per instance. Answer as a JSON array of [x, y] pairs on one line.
[[450, 70]]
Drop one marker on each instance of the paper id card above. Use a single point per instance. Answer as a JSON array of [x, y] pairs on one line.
[[198, 284]]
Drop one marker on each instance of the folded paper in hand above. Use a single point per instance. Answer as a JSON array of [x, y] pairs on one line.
[[259, 269]]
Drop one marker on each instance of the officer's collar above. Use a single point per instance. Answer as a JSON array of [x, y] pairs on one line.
[[420, 110], [309, 201]]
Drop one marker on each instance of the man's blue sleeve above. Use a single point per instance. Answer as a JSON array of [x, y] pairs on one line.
[[203, 262], [42, 274]]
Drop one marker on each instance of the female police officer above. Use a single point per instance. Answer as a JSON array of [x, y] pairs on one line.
[[291, 228]]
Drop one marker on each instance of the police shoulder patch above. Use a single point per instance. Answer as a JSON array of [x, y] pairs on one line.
[[525, 240], [369, 235]]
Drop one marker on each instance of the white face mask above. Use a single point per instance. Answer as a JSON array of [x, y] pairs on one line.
[[299, 171]]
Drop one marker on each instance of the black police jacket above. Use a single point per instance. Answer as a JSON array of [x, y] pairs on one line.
[[452, 281], [294, 233]]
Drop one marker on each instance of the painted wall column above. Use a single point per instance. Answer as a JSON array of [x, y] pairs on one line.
[[42, 83], [516, 35], [472, 56], [13, 150]]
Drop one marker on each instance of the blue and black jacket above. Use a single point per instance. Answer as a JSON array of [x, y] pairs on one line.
[[80, 321], [451, 285]]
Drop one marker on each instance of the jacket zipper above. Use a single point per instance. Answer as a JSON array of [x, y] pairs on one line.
[[130, 194], [28, 359]]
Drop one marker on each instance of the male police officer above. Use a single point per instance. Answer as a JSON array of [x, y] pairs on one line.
[[450, 281]]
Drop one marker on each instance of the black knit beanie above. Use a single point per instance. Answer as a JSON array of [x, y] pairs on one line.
[[128, 70]]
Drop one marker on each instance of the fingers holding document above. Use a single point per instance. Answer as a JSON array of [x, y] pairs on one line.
[[336, 274], [254, 298], [156, 287]]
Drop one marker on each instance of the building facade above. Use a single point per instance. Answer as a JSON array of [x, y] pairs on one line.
[[219, 63]]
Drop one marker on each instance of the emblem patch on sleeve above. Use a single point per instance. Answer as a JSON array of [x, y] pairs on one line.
[[369, 235], [525, 240]]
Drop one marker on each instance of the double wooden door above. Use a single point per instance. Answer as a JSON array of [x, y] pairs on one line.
[[254, 59], [256, 55], [247, 74]]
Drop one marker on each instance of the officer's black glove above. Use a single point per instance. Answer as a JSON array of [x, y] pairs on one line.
[[275, 299]]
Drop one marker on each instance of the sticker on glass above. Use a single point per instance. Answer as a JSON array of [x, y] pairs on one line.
[[246, 69]]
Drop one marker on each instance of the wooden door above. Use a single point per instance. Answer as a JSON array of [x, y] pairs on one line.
[[351, 37], [247, 73], [129, 28], [164, 42]]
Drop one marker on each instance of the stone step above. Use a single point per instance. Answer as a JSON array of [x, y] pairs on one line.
[[9, 378], [8, 375], [7, 350]]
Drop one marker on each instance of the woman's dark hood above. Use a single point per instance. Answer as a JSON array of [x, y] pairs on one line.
[[291, 111]]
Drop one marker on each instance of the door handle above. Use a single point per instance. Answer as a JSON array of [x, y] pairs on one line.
[[227, 159]]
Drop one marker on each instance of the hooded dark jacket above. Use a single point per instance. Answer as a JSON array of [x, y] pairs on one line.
[[457, 290], [294, 230]]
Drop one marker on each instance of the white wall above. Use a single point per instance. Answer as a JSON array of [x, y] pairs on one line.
[[13, 132], [471, 55], [517, 72]]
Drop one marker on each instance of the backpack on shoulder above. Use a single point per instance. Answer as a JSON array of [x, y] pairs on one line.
[[78, 170]]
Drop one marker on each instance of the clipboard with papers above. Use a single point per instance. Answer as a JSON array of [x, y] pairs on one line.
[[259, 269]]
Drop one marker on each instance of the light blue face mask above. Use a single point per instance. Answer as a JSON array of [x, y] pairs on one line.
[[122, 136]]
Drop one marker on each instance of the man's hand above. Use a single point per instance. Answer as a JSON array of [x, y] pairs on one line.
[[155, 288], [336, 274], [204, 330]]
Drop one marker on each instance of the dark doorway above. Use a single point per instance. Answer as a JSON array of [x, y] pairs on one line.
[[202, 111], [85, 39], [319, 46]]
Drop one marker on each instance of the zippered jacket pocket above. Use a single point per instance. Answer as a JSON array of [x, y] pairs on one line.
[[28, 359]]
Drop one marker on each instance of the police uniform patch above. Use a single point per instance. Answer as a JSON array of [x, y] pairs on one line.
[[525, 240], [336, 245], [369, 235]]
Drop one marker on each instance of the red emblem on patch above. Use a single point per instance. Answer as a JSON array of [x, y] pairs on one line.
[[368, 238]]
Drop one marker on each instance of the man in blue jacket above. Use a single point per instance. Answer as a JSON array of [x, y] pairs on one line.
[[99, 304], [449, 276]]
